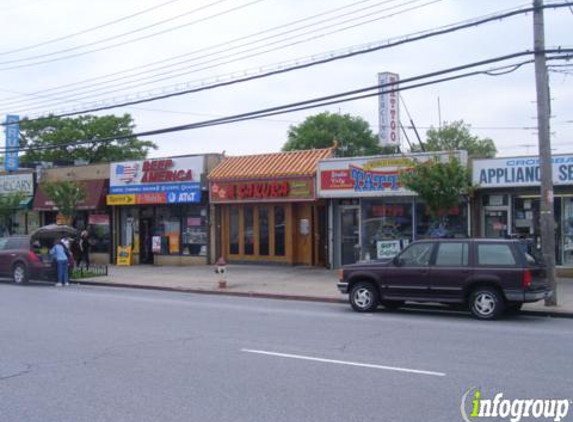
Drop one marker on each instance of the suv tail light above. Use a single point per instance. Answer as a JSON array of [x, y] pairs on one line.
[[526, 282], [33, 257]]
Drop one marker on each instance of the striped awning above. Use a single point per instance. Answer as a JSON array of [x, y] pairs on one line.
[[265, 166]]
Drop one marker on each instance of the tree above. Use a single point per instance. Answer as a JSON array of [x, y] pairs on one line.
[[65, 196], [9, 204], [54, 131], [352, 135], [457, 136], [441, 185]]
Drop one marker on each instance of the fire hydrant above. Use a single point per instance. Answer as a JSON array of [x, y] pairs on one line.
[[221, 271]]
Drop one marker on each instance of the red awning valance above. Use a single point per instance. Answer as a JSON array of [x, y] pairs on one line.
[[96, 191]]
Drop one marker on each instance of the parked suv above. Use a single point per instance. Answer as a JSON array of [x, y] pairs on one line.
[[21, 262], [490, 276]]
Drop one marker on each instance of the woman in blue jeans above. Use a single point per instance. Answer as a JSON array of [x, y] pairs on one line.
[[58, 253]]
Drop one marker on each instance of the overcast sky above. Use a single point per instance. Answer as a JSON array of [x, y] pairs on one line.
[[49, 63]]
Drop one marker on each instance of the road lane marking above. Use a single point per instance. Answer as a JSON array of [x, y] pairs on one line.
[[344, 362]]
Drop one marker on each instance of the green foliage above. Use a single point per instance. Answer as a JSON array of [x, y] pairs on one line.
[[440, 184], [10, 203], [79, 273], [457, 136], [53, 131], [65, 195], [352, 135]]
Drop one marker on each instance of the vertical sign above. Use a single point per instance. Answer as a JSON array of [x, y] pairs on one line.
[[12, 142], [389, 109]]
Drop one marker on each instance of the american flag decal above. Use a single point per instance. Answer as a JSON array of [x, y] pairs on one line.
[[127, 173]]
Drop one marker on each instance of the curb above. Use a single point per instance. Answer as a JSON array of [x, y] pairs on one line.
[[278, 296], [215, 292]]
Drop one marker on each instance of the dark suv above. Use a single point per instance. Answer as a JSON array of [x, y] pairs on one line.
[[488, 275]]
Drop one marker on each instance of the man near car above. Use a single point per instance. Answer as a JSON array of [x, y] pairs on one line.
[[58, 254]]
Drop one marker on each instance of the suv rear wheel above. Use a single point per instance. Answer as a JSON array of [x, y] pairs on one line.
[[486, 303], [364, 297], [20, 273]]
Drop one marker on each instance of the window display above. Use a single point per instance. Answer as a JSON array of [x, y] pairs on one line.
[[194, 239], [452, 225], [386, 226]]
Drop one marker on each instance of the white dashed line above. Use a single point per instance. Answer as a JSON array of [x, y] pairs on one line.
[[343, 362]]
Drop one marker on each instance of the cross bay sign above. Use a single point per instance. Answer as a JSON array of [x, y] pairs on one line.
[[520, 171]]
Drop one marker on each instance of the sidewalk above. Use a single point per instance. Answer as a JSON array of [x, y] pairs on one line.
[[300, 283]]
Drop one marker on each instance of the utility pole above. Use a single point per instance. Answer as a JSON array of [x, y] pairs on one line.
[[547, 219]]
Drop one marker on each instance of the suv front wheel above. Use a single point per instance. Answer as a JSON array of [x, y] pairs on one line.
[[364, 297], [486, 303]]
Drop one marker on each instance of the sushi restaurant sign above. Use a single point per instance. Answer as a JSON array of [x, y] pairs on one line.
[[520, 171]]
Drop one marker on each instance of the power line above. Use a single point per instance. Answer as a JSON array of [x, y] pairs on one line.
[[328, 58], [122, 35], [347, 96], [85, 31], [168, 75], [187, 54]]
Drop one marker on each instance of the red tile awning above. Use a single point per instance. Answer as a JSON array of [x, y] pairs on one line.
[[96, 191]]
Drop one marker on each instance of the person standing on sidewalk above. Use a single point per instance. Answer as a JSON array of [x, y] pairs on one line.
[[85, 249], [58, 254]]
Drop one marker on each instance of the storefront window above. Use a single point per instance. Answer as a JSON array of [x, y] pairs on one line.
[[168, 227], [249, 230], [567, 231], [453, 225], [99, 232], [526, 217], [279, 230], [194, 240], [234, 231], [386, 227], [263, 230]]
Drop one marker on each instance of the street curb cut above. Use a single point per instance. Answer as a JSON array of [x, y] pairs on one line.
[[540, 313]]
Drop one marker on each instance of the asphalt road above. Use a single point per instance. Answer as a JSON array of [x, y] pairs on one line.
[[102, 354]]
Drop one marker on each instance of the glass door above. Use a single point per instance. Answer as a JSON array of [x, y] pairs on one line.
[[495, 223], [567, 231], [350, 234]]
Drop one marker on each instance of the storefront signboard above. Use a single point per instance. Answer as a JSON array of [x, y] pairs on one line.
[[271, 190], [99, 219], [387, 248], [389, 109], [520, 171], [371, 176], [128, 199], [161, 181], [12, 183], [124, 255]]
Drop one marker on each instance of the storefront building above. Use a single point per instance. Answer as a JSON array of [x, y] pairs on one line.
[[508, 200], [267, 210], [21, 219], [371, 215], [91, 214], [161, 209]]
